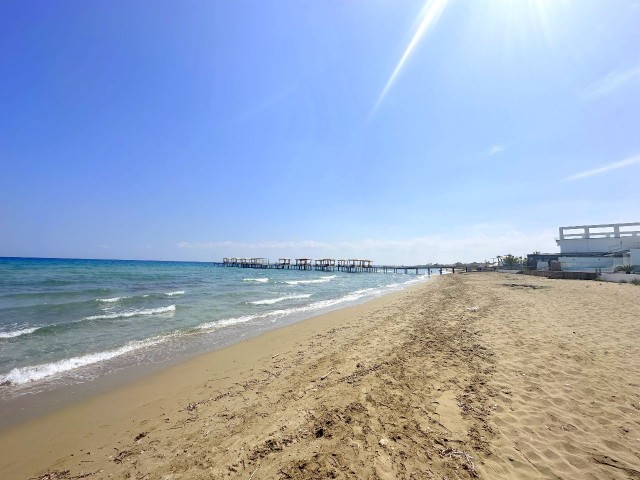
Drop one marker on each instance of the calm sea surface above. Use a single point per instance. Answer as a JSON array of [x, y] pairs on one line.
[[71, 321]]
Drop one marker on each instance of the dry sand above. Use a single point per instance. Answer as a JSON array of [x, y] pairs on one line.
[[479, 375]]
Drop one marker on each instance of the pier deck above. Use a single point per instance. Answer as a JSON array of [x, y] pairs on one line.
[[344, 267]]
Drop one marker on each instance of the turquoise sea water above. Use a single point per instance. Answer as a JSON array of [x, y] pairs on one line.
[[69, 321]]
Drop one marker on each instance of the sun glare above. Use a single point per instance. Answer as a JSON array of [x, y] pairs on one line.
[[528, 18], [429, 16]]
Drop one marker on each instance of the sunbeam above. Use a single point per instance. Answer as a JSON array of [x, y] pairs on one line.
[[430, 14]]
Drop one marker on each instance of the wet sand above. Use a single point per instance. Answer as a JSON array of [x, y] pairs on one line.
[[480, 375]]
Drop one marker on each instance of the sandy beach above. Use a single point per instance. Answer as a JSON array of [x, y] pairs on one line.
[[481, 375]]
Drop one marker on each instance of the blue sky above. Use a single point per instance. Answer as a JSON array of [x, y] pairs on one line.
[[399, 131]]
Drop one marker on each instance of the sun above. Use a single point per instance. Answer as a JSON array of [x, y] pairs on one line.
[[528, 18]]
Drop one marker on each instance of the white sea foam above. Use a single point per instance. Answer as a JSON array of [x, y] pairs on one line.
[[172, 294], [17, 333], [320, 305], [110, 300], [227, 322], [133, 313], [32, 373], [271, 301], [317, 280], [260, 280]]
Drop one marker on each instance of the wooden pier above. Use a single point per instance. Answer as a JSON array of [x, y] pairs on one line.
[[353, 265]]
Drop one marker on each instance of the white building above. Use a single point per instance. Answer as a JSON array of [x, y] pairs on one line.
[[591, 247]]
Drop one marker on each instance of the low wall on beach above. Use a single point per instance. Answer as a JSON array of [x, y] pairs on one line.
[[507, 270], [620, 277], [562, 275]]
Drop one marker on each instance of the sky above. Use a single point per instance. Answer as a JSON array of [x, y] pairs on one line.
[[404, 132]]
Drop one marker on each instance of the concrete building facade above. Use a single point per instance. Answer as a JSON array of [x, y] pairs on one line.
[[599, 247]]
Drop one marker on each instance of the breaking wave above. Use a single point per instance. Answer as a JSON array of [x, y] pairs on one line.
[[317, 280], [18, 333], [32, 373], [271, 301], [133, 313], [110, 300], [320, 305]]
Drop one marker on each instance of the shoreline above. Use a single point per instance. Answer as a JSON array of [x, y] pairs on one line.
[[236, 358], [20, 408], [481, 375]]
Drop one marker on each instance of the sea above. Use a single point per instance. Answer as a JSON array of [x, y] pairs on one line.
[[71, 321]]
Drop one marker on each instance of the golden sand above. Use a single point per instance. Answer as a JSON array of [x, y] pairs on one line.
[[479, 375]]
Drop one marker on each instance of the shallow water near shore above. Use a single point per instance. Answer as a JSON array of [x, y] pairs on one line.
[[66, 323]]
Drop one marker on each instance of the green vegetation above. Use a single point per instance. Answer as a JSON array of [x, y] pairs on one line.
[[625, 268], [511, 261]]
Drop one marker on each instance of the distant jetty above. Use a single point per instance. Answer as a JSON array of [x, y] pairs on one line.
[[352, 265]]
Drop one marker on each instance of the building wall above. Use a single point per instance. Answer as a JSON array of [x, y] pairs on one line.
[[587, 264], [597, 245], [605, 264], [612, 237], [534, 259]]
